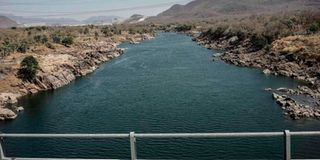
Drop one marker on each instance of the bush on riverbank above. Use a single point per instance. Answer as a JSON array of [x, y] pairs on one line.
[[28, 68], [183, 28], [258, 41]]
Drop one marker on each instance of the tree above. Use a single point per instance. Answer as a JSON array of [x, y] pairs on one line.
[[28, 68]]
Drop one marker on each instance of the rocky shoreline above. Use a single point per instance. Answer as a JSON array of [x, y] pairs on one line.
[[287, 57], [58, 69]]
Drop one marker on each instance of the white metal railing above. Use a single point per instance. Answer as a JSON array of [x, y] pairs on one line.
[[132, 136]]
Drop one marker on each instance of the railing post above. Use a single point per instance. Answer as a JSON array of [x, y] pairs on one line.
[[1, 150], [133, 146], [287, 145]]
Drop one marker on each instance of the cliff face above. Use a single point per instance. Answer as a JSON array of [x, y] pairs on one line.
[[58, 68]]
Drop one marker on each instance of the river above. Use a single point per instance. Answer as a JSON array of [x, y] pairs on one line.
[[168, 84]]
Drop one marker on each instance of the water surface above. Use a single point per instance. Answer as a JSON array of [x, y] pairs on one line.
[[169, 84]]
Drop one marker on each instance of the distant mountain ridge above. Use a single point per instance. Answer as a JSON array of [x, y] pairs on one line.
[[101, 19], [136, 18], [6, 22], [203, 9], [29, 21]]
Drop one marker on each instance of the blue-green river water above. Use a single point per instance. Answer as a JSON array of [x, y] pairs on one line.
[[168, 84]]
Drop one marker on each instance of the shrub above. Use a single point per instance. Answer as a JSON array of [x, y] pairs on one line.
[[23, 46], [86, 31], [241, 35], [215, 34], [183, 28], [49, 45], [132, 31], [289, 23], [56, 37], [258, 41], [313, 28], [115, 30], [106, 31], [28, 68], [67, 41], [41, 39], [96, 35], [6, 48]]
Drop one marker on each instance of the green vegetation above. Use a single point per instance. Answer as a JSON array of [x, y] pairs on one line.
[[86, 31], [56, 37], [262, 30], [258, 41], [23, 46], [41, 39], [314, 27], [6, 48], [28, 68], [183, 28], [19, 39], [67, 41]]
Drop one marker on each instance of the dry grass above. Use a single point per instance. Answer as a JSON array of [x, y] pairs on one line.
[[307, 46]]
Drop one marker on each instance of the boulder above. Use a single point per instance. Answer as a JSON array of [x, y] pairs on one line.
[[268, 89], [6, 113], [19, 109], [267, 71], [317, 114], [233, 40], [8, 98]]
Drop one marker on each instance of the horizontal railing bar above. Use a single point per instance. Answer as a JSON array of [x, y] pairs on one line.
[[21, 135], [208, 135], [304, 133], [162, 135], [54, 159]]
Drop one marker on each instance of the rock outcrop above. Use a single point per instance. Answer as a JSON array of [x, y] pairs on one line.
[[297, 57], [6, 102], [295, 110]]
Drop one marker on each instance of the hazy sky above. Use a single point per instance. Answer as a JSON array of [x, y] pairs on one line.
[[81, 9]]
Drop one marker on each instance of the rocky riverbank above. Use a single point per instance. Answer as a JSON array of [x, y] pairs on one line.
[[58, 67], [294, 56]]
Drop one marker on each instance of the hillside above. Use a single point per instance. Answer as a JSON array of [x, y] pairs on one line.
[[211, 9], [136, 18], [5, 22]]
